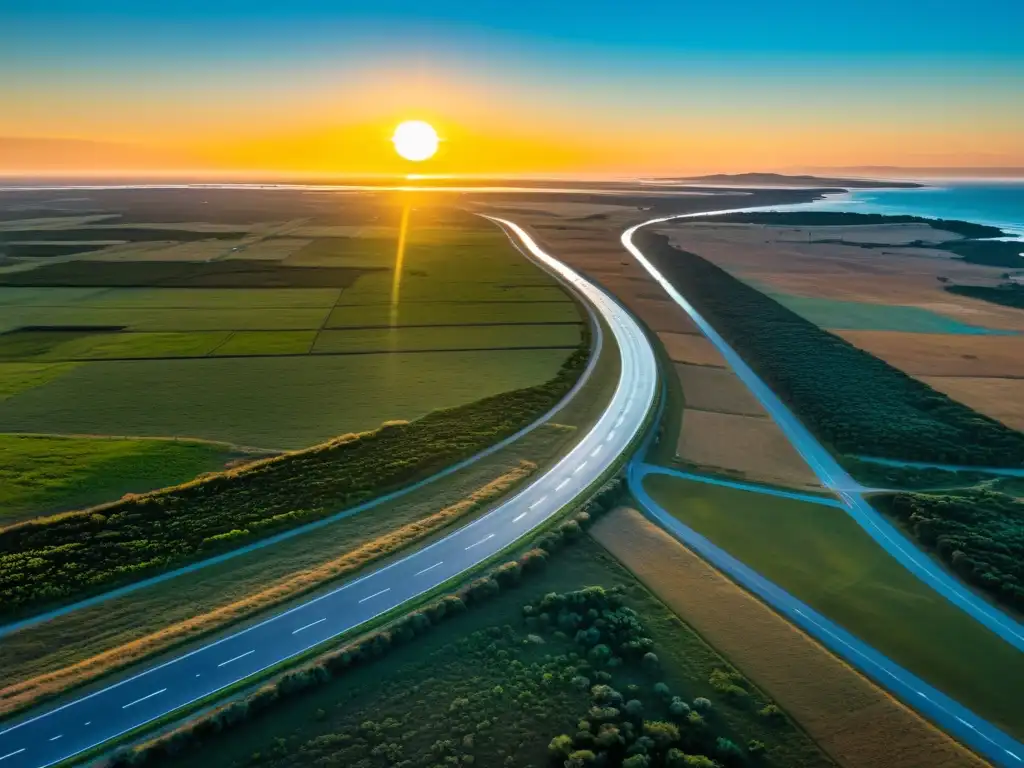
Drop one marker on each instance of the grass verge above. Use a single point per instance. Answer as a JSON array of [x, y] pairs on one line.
[[823, 558]]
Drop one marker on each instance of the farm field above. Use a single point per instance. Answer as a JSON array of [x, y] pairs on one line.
[[265, 319], [853, 720], [752, 448], [823, 558], [46, 474], [499, 689]]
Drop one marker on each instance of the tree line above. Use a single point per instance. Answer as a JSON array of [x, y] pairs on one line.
[[67, 556], [851, 399]]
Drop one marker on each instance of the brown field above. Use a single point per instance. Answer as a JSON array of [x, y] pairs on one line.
[[787, 260], [692, 349], [854, 721], [750, 447], [716, 389], [28, 690], [1002, 399], [941, 354]]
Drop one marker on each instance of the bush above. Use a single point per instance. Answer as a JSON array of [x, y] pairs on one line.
[[701, 704], [651, 662]]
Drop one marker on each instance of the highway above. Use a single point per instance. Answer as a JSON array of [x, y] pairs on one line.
[[954, 718], [91, 720], [831, 474]]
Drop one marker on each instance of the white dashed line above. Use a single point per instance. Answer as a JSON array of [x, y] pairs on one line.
[[562, 484], [620, 420], [420, 573], [520, 517], [485, 538], [311, 624], [538, 502], [375, 594], [12, 754], [57, 737], [150, 696], [579, 468], [596, 451], [611, 435], [88, 722], [236, 658]]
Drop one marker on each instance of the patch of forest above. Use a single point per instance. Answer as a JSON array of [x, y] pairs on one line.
[[854, 401], [979, 534]]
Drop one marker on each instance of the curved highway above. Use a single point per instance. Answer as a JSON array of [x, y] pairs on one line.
[[954, 718], [91, 720], [829, 471]]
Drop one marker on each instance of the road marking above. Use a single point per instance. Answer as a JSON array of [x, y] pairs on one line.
[[580, 467], [611, 435], [420, 573], [562, 484], [12, 754], [485, 538], [311, 624], [520, 517], [57, 737], [236, 658], [619, 422], [539, 501], [375, 594], [150, 696], [88, 722], [596, 451]]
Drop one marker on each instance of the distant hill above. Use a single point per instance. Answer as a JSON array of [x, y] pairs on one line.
[[782, 180]]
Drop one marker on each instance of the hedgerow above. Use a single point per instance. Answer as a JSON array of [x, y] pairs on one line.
[[67, 556]]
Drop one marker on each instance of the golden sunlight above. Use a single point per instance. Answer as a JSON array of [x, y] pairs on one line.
[[415, 140]]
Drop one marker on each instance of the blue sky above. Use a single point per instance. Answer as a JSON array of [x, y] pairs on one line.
[[953, 69]]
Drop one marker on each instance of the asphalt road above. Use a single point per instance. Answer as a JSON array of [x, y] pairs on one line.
[[833, 476], [965, 725], [91, 720]]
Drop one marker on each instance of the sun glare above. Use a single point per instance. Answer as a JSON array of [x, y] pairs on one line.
[[415, 140]]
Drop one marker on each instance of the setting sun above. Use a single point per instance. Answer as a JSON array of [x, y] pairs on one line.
[[415, 140]]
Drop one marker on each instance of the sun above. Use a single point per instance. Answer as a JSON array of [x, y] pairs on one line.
[[415, 140]]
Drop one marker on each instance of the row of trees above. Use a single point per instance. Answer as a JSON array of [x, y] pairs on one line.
[[66, 556], [369, 648], [1009, 295], [979, 534], [840, 218], [853, 400]]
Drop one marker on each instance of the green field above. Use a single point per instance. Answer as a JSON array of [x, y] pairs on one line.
[[277, 403], [45, 474], [823, 558], [455, 337], [488, 688], [248, 351], [864, 316], [454, 313]]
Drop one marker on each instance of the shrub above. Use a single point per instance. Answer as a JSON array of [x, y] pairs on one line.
[[651, 662], [701, 704]]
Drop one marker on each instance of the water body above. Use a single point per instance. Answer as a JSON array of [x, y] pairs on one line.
[[999, 203]]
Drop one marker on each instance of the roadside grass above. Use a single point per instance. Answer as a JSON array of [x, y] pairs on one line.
[[856, 722], [487, 685], [43, 474], [284, 403], [372, 543], [823, 558], [456, 337], [185, 298]]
